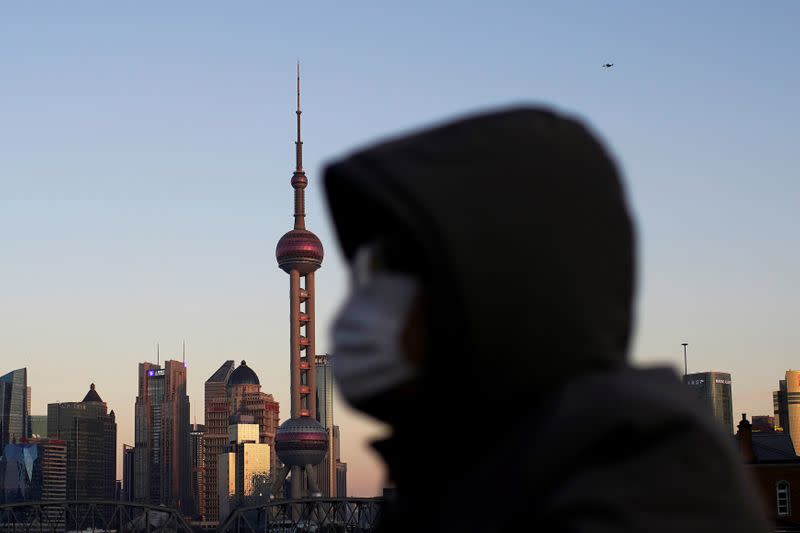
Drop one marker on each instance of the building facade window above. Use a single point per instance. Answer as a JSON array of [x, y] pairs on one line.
[[782, 493]]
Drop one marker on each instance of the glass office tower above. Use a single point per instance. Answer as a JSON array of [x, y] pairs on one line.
[[13, 406], [714, 389]]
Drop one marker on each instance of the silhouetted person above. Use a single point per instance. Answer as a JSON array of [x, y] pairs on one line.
[[488, 323]]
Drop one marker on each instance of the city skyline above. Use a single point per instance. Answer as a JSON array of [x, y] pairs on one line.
[[145, 164]]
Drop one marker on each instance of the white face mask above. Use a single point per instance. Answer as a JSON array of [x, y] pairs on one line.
[[367, 356]]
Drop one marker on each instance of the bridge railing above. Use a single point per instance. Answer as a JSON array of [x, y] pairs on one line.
[[356, 515], [90, 516]]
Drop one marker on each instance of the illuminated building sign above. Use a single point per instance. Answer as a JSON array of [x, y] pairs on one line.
[[155, 373]]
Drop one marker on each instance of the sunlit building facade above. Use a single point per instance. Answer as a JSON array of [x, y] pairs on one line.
[[233, 392], [244, 467], [793, 406]]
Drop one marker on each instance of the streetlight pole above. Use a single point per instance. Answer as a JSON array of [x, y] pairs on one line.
[[685, 364]]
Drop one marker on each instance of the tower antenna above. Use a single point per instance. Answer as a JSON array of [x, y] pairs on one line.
[[685, 363], [184, 352], [158, 355], [299, 142]]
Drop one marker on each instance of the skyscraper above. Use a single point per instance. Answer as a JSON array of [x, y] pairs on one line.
[[13, 406], [244, 467], [326, 471], [33, 471], [780, 406], [90, 432], [341, 468], [301, 442], [793, 407], [714, 389], [217, 413], [161, 463], [198, 464], [234, 393], [128, 462], [37, 426]]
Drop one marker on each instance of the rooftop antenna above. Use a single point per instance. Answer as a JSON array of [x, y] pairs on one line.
[[685, 363], [158, 355], [184, 353]]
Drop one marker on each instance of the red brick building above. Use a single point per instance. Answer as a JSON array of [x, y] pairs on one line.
[[771, 459]]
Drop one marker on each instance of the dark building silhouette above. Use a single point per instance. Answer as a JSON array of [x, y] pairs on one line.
[[13, 406], [128, 457], [161, 456], [37, 426], [714, 389], [780, 406], [90, 432], [197, 460], [233, 392], [763, 423]]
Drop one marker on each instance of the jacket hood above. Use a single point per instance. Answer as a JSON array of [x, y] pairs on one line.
[[518, 226]]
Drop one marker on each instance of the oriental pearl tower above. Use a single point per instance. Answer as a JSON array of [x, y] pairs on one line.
[[301, 442]]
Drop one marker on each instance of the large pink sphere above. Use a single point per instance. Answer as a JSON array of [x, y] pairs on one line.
[[299, 250], [301, 441]]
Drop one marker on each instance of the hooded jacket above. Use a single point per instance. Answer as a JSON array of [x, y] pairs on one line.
[[527, 412]]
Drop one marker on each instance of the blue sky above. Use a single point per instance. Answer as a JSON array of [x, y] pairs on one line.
[[146, 150]]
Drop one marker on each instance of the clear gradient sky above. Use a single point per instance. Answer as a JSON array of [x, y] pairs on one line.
[[146, 150]]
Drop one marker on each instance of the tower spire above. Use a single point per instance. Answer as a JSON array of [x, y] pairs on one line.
[[299, 180], [299, 142]]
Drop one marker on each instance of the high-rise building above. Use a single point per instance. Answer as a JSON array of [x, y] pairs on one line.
[[198, 464], [128, 462], [780, 407], [13, 406], [326, 471], [714, 389], [244, 467], [37, 426], [161, 463], [90, 432], [341, 479], [341, 468], [35, 470], [793, 407], [301, 442], [217, 413], [233, 392]]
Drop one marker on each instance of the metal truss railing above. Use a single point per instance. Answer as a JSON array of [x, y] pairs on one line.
[[356, 515], [90, 516]]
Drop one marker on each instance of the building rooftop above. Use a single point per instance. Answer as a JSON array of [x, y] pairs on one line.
[[774, 448], [243, 375], [92, 395]]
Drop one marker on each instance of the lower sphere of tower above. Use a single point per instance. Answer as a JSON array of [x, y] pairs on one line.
[[301, 441]]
